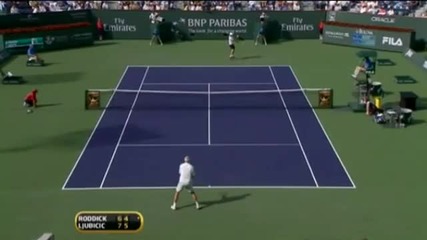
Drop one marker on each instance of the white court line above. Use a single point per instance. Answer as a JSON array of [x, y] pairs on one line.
[[209, 114], [94, 129], [293, 127], [213, 187], [208, 66], [323, 129], [123, 129], [204, 84], [214, 145]]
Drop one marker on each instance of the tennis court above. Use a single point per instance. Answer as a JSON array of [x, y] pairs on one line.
[[238, 123], [38, 156]]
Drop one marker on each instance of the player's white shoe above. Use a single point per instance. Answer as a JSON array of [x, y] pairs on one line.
[[173, 207], [198, 206]]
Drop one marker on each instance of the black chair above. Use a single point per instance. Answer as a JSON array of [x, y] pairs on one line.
[[11, 79], [35, 63]]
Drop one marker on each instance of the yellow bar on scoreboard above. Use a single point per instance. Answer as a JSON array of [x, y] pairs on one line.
[[108, 222]]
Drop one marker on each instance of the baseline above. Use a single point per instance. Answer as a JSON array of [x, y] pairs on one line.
[[203, 84], [208, 66], [214, 145], [211, 187]]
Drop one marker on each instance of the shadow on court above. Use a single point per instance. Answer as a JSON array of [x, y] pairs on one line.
[[75, 140], [224, 198], [417, 122], [57, 78], [248, 57], [48, 105]]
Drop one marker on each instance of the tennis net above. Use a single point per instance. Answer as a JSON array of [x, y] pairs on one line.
[[157, 99]]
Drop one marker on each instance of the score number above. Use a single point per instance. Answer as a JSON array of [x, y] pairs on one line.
[[109, 222]]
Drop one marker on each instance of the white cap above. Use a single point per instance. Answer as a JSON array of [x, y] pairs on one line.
[[231, 33], [186, 159]]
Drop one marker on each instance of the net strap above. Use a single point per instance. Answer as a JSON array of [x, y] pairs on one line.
[[211, 92]]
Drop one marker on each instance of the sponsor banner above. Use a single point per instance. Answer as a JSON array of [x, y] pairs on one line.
[[205, 25], [23, 42], [42, 19], [202, 25], [299, 25], [363, 38], [367, 38], [120, 24], [416, 58], [417, 24], [60, 39]]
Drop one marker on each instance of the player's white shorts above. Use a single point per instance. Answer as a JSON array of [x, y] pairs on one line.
[[184, 185]]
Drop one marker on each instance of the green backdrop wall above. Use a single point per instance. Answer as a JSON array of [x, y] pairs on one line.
[[198, 25], [1, 43]]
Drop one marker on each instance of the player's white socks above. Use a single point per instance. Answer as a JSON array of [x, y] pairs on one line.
[[197, 205]]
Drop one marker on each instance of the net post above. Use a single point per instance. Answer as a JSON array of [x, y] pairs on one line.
[[326, 98], [85, 99], [92, 99]]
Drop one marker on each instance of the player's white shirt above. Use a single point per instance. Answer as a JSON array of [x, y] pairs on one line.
[[231, 40], [186, 173], [152, 17]]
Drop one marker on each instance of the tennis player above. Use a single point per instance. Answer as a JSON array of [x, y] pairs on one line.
[[30, 100], [262, 17], [261, 35], [156, 35], [186, 175], [153, 17], [231, 44]]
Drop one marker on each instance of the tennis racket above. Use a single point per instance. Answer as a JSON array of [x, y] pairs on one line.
[[238, 37]]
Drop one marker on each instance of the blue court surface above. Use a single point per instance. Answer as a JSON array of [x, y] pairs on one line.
[[272, 140]]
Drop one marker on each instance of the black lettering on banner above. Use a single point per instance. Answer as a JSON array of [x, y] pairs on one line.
[[109, 222]]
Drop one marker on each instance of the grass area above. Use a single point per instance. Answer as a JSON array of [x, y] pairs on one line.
[[38, 151]]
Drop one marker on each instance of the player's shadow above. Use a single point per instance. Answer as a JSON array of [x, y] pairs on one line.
[[49, 64], [422, 104], [48, 105], [248, 57], [224, 198]]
